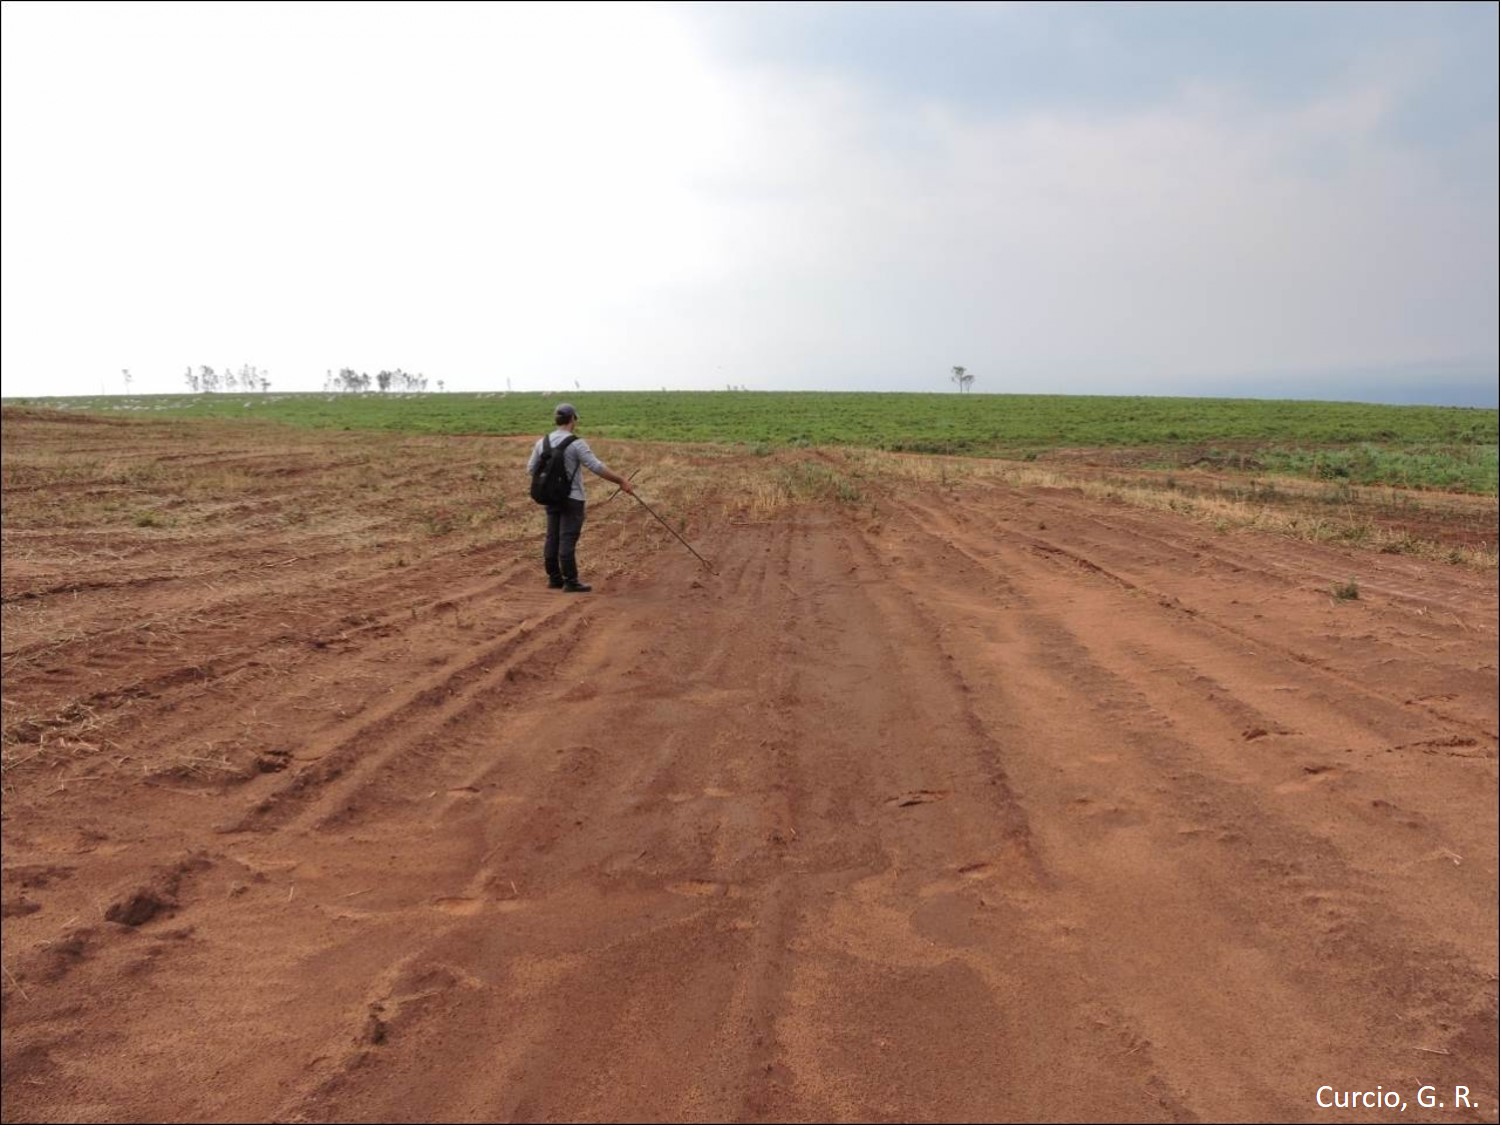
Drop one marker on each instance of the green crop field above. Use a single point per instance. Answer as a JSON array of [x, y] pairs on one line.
[[1359, 443]]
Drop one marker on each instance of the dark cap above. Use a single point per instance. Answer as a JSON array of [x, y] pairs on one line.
[[565, 412]]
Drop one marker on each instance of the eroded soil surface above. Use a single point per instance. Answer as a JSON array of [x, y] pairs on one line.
[[935, 805]]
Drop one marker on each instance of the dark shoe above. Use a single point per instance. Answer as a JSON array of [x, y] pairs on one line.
[[555, 581], [575, 586]]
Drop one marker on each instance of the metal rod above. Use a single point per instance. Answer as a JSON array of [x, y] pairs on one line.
[[674, 531]]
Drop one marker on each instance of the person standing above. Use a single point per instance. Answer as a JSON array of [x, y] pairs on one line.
[[566, 521]]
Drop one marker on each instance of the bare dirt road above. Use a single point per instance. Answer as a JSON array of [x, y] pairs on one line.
[[935, 804]]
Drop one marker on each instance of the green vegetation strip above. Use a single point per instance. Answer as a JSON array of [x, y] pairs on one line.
[[1362, 443]]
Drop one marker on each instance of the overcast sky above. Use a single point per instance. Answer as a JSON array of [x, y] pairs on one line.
[[1180, 199]]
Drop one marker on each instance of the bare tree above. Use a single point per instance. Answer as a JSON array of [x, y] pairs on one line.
[[351, 381], [126, 372], [961, 378]]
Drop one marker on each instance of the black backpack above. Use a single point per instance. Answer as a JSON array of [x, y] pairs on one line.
[[551, 482]]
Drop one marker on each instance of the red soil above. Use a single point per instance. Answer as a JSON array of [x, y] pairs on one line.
[[1011, 807]]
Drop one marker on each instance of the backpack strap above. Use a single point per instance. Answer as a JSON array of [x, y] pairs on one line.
[[548, 450]]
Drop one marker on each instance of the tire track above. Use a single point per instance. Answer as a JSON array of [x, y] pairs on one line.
[[1369, 949], [1353, 690], [389, 723]]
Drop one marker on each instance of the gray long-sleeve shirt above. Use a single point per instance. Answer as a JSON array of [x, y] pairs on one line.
[[575, 459]]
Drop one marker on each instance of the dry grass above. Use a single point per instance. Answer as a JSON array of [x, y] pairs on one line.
[[134, 494], [1299, 517], [206, 762], [1288, 507]]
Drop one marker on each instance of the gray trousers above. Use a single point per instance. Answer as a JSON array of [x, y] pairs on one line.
[[564, 526]]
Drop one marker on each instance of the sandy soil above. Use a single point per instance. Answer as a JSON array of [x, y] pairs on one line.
[[948, 806]]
